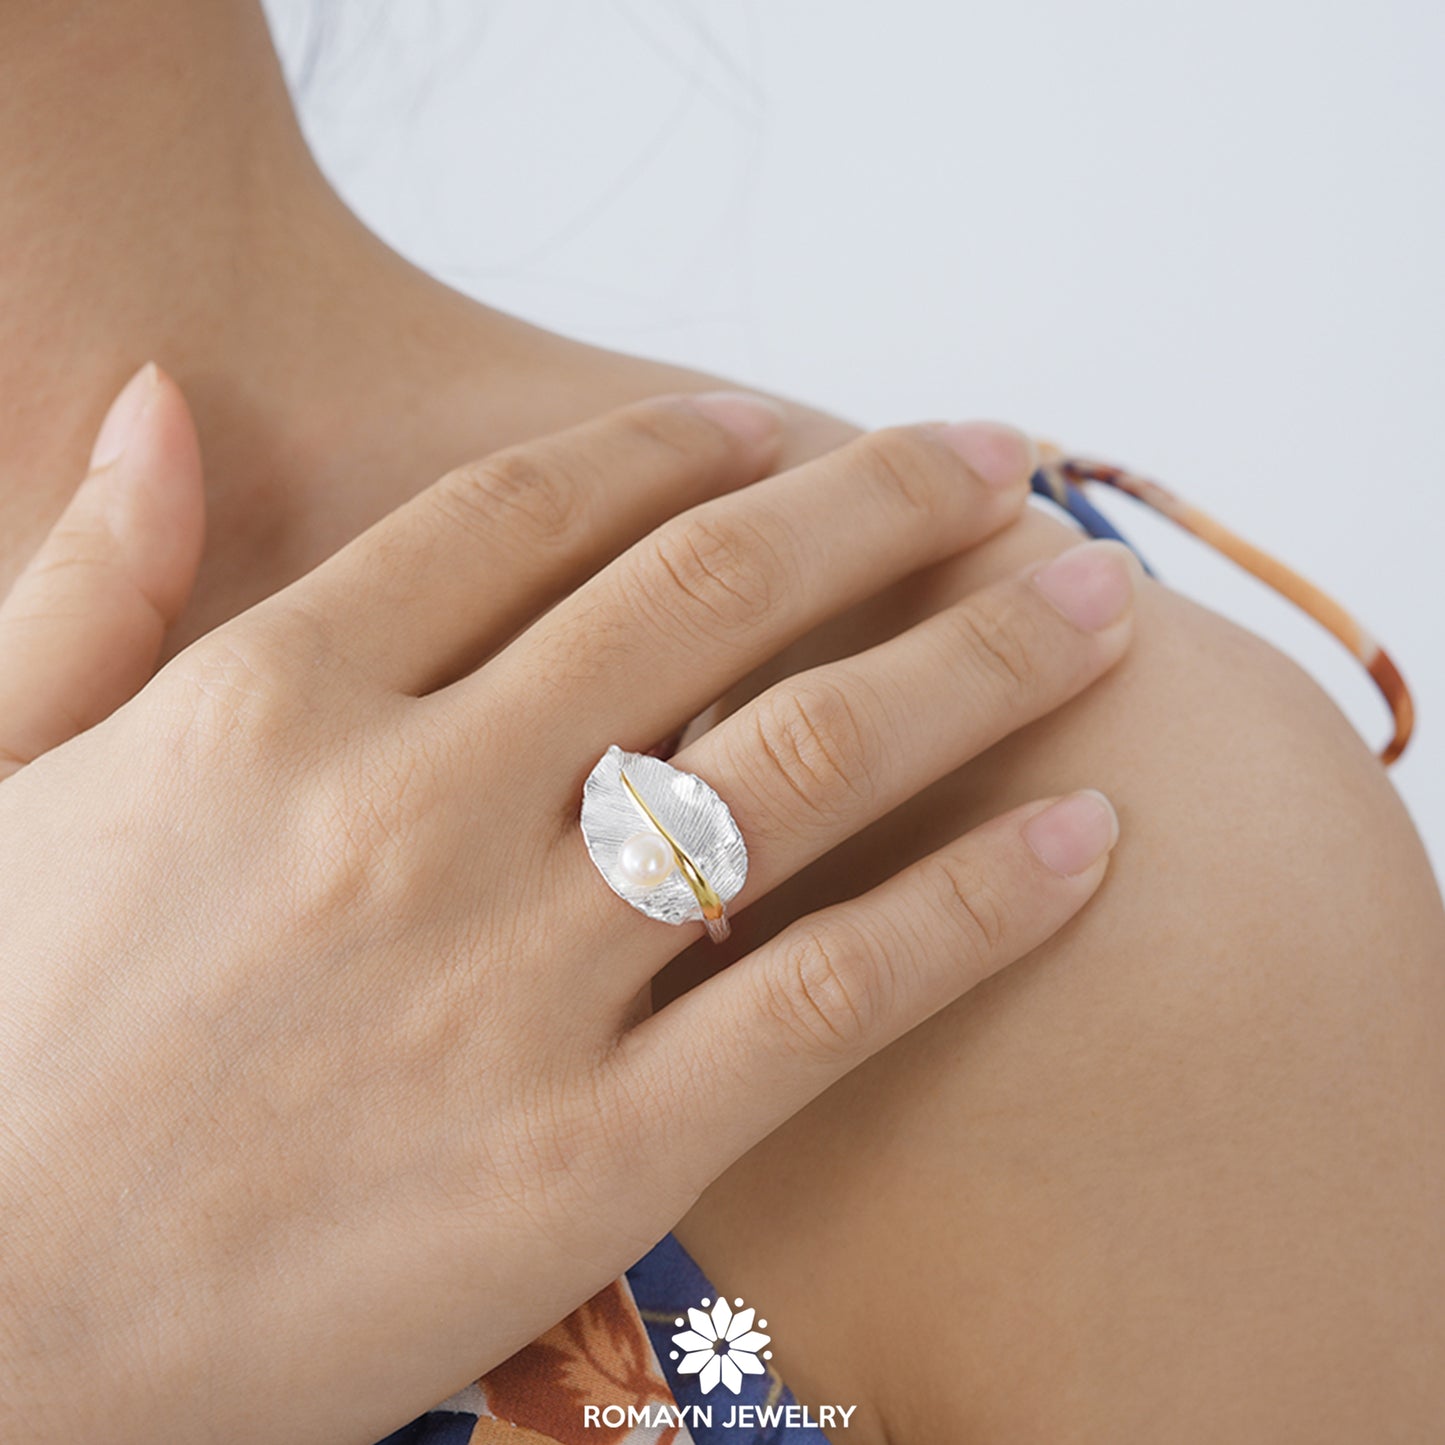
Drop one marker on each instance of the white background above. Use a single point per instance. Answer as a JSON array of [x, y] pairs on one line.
[[1201, 239]]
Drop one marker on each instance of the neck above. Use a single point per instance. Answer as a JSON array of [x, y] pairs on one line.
[[157, 201], [147, 153]]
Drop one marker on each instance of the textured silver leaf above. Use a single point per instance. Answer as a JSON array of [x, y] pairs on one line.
[[686, 807]]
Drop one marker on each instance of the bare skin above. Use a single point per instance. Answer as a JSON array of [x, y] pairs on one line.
[[1175, 1176]]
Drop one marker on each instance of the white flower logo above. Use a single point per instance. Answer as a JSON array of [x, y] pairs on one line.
[[721, 1347]]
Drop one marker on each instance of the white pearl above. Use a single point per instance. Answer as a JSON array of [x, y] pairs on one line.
[[645, 859]]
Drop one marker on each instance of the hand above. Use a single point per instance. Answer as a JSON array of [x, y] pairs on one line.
[[328, 1076]]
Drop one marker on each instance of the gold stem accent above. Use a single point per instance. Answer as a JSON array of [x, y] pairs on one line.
[[703, 891]]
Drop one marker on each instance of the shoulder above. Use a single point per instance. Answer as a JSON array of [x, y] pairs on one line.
[[1182, 1164]]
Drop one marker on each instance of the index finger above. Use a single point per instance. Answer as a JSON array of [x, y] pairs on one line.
[[431, 590]]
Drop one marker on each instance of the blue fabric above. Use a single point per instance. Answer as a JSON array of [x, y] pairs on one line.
[[1071, 499], [436, 1427]]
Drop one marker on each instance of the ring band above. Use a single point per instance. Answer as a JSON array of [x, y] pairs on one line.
[[663, 840]]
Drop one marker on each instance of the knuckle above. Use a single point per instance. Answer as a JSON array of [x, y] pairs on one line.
[[998, 643], [679, 434], [232, 676], [827, 992], [249, 683], [722, 575], [973, 907], [901, 466], [812, 737], [513, 490], [230, 672]]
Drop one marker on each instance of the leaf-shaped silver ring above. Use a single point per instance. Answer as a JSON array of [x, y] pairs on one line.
[[664, 841]]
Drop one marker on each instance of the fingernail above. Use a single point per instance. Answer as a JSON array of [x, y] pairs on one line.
[[756, 419], [124, 417], [1092, 585], [997, 454], [1071, 835]]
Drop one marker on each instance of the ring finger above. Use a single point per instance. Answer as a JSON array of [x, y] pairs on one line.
[[818, 757]]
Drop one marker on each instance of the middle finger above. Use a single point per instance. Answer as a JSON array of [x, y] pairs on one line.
[[709, 596], [819, 756]]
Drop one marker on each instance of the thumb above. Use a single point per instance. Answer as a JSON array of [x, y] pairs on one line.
[[82, 627]]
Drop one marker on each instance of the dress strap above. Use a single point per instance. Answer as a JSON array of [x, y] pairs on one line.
[[1061, 478]]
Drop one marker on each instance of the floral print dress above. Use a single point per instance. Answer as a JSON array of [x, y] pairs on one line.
[[609, 1353]]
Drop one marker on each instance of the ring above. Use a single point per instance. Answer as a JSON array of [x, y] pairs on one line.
[[663, 840]]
